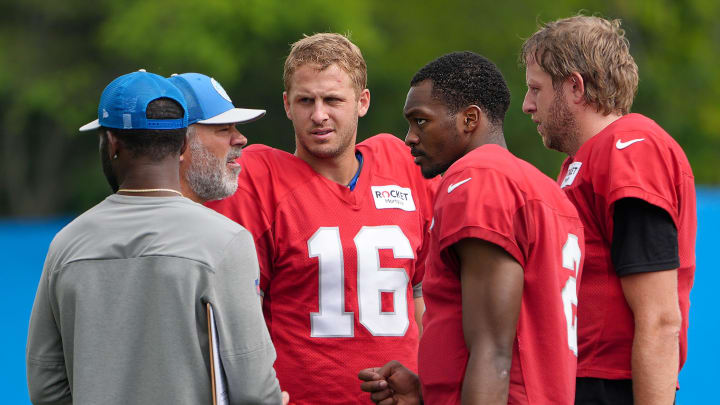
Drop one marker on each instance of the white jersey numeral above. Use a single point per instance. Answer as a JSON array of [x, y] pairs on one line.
[[571, 255], [372, 281], [332, 320]]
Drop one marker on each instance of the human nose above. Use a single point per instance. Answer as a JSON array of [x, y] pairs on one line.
[[237, 138], [411, 139], [319, 114], [528, 105]]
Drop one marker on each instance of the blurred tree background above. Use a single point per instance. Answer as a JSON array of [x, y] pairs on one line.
[[56, 57]]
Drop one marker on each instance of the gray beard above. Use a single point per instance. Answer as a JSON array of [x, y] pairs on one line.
[[208, 176]]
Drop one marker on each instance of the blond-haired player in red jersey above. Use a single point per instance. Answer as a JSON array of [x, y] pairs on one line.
[[339, 228], [634, 190], [505, 254]]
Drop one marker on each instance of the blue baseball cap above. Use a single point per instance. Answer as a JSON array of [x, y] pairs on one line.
[[208, 103], [124, 102]]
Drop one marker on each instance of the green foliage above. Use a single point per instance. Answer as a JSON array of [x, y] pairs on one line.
[[56, 57]]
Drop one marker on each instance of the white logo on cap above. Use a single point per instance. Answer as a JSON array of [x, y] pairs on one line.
[[105, 113], [220, 90]]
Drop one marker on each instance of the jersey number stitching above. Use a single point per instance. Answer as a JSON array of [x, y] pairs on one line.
[[571, 255], [372, 281]]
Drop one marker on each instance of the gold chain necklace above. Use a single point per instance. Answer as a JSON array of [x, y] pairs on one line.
[[149, 190]]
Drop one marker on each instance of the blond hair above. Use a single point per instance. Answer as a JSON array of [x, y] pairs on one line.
[[595, 48], [324, 50]]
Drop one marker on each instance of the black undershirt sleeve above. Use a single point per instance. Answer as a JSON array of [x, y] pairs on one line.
[[644, 238]]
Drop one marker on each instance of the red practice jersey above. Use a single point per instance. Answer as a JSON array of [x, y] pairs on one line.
[[491, 195], [338, 267], [631, 158]]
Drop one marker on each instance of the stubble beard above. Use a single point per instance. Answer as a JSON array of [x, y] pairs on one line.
[[209, 177], [344, 140], [431, 170], [560, 129]]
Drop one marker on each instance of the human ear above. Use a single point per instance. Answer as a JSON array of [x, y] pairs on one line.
[[363, 102], [286, 104], [183, 148], [577, 87], [471, 118], [113, 144]]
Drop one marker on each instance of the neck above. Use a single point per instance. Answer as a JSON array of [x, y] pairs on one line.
[[146, 175], [494, 137], [189, 193], [340, 169], [590, 124]]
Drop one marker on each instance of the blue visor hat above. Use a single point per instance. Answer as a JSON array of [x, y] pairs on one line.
[[208, 103], [124, 102]]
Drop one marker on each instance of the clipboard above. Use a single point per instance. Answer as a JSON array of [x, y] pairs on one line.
[[217, 375]]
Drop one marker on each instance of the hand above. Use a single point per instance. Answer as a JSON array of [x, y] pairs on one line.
[[392, 384], [285, 398]]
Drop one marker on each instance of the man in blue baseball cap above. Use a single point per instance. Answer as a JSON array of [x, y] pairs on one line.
[[120, 314], [141, 117], [208, 170]]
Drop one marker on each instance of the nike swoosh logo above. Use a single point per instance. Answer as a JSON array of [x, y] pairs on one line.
[[458, 184], [622, 145]]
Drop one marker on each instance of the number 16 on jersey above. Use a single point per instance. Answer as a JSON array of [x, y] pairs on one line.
[[372, 280]]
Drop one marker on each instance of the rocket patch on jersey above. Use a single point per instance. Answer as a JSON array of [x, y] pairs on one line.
[[393, 197], [573, 170]]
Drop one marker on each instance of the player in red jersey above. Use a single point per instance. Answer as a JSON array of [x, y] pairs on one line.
[[339, 230], [634, 190], [505, 254]]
